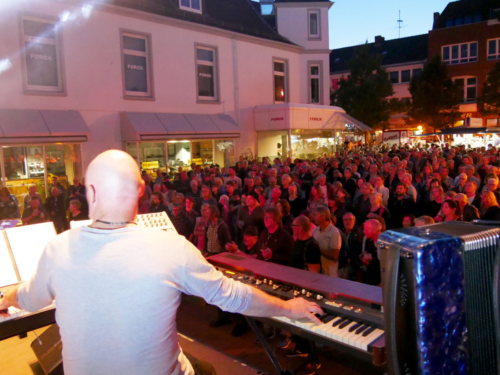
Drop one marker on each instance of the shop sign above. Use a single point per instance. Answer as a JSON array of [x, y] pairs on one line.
[[205, 75], [404, 137], [391, 138], [410, 133], [277, 119], [473, 122], [150, 164], [315, 119]]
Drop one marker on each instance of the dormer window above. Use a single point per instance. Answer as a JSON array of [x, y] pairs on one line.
[[190, 5], [314, 24]]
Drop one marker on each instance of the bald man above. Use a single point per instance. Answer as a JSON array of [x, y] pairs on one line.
[[117, 291]]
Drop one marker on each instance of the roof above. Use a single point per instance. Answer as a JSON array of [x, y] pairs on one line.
[[232, 15], [465, 12], [395, 51]]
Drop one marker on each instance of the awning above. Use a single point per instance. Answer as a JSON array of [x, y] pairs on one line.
[[463, 130], [42, 126], [286, 116], [144, 126]]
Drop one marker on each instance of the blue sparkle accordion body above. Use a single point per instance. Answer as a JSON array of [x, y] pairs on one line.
[[441, 299]]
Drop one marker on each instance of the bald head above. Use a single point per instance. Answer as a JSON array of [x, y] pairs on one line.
[[114, 185]]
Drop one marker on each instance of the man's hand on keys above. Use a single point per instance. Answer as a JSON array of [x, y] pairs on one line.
[[299, 308]]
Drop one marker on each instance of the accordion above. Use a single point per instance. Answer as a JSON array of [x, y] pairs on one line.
[[441, 299]]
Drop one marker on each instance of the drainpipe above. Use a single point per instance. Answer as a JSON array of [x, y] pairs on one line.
[[236, 82]]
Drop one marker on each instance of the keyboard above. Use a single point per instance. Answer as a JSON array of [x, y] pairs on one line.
[[20, 321], [353, 320]]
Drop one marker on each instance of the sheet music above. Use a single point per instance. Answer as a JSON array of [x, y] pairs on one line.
[[27, 244], [7, 273]]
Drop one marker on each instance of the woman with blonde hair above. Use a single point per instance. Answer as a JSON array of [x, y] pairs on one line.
[[490, 206]]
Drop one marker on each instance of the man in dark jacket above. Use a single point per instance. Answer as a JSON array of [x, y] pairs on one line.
[[182, 224], [217, 234], [400, 205], [56, 207], [77, 191], [275, 242], [349, 261], [157, 203]]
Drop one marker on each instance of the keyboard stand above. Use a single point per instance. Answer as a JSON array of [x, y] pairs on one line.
[[267, 348]]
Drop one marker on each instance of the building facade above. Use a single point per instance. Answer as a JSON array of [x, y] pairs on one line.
[[467, 37], [170, 82]]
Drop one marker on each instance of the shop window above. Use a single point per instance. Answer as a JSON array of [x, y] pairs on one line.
[[43, 69], [315, 83], [394, 77], [190, 5], [493, 49], [224, 153], [137, 76], [459, 53], [280, 81], [152, 157], [206, 65], [203, 153], [64, 162], [179, 156], [314, 26], [405, 76], [273, 144], [468, 87], [309, 144]]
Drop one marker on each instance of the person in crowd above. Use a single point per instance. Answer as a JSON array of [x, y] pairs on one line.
[[296, 202], [232, 178], [469, 212], [206, 197], [249, 185], [381, 189], [400, 205], [337, 209], [274, 199], [370, 262], [251, 214], [9, 208], [57, 184], [183, 183], [359, 189], [329, 239], [286, 216], [182, 224], [433, 207], [191, 213], [159, 177], [216, 192], [194, 191], [392, 179], [376, 208], [348, 182], [75, 211], [285, 184], [362, 203], [56, 207], [411, 191], [450, 211], [460, 186], [217, 234], [198, 237], [32, 193], [445, 178], [408, 221], [275, 242], [321, 184], [491, 209], [316, 199], [157, 203], [350, 251], [77, 191], [424, 220], [249, 246], [34, 214], [493, 186], [471, 193], [469, 171], [144, 204]]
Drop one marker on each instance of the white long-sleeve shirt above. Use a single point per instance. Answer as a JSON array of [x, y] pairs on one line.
[[117, 294]]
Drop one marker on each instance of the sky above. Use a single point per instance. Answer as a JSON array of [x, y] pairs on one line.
[[352, 22]]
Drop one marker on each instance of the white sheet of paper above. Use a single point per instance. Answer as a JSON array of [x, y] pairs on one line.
[[27, 244], [79, 223], [7, 273]]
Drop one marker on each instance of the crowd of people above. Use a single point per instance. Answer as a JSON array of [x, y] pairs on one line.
[[325, 215], [62, 206]]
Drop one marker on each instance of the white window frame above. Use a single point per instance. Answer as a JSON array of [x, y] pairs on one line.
[[496, 55], [149, 95], [464, 99], [319, 65], [309, 13], [283, 74], [215, 65], [189, 8], [36, 89], [460, 60]]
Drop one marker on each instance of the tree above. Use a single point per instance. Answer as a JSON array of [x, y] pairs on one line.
[[435, 97], [364, 93], [489, 101]]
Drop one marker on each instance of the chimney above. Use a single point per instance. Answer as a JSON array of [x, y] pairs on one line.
[[436, 17], [378, 40]]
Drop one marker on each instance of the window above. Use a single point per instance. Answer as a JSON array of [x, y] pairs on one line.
[[190, 5], [468, 20], [206, 72], [449, 23], [137, 75], [313, 16], [314, 83], [280, 81], [394, 76], [460, 53], [266, 9], [458, 21], [416, 72], [405, 76], [468, 86], [43, 70], [493, 49]]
